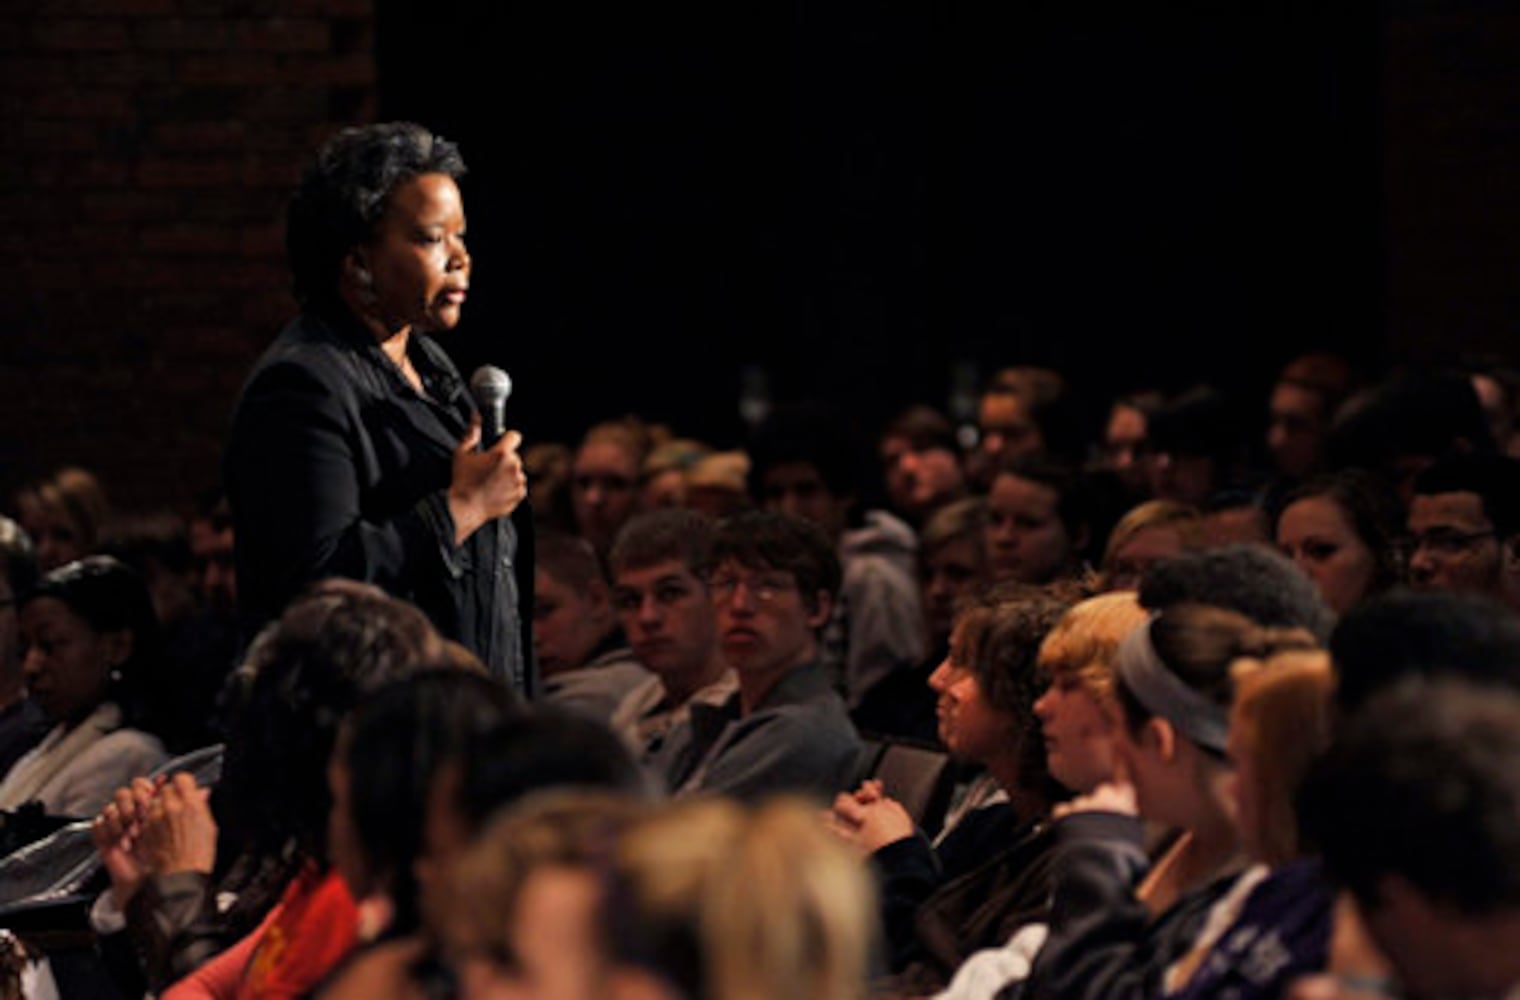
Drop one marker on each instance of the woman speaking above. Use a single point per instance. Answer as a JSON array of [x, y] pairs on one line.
[[355, 448]]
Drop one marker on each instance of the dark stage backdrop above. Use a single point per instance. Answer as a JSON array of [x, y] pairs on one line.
[[863, 198]]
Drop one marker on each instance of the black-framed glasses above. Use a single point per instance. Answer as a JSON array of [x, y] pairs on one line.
[[1446, 541]]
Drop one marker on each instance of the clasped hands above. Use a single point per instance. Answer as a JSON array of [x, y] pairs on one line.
[[868, 819], [155, 827]]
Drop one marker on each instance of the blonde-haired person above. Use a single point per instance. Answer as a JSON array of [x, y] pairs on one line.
[[1148, 533], [527, 896], [1118, 920], [712, 900], [1275, 922]]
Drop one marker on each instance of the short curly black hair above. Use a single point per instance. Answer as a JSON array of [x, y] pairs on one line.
[[343, 195]]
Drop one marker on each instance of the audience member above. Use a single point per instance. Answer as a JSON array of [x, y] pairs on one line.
[[1406, 634], [805, 466], [64, 514], [1236, 517], [22, 722], [1149, 533], [93, 666], [1038, 523], [385, 768], [718, 484], [953, 570], [270, 810], [211, 550], [1302, 405], [713, 901], [921, 463], [582, 655], [1194, 447], [1256, 582], [1343, 531], [661, 565], [1125, 447], [1417, 810], [1464, 527], [1274, 924], [941, 900], [662, 480], [775, 579], [604, 480]]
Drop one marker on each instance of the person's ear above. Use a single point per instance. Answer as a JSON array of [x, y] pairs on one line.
[[1160, 737], [357, 271], [822, 610]]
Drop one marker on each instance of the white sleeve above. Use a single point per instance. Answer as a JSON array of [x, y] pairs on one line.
[[981, 976]]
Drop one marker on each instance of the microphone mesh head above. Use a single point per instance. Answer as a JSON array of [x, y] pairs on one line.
[[490, 385]]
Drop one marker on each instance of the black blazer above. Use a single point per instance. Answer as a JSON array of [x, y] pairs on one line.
[[338, 467]]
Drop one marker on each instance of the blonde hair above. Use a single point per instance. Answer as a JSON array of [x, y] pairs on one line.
[[1086, 639], [726, 902], [1282, 718], [1183, 518], [551, 828]]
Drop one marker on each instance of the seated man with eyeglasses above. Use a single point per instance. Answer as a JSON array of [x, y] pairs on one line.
[[773, 588], [1464, 527]]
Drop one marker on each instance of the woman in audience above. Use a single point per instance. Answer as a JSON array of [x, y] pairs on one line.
[[1118, 921], [1274, 923], [93, 648], [1155, 530], [1342, 530], [987, 687], [267, 818], [1038, 522]]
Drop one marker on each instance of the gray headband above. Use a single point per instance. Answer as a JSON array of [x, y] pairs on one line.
[[1165, 695]]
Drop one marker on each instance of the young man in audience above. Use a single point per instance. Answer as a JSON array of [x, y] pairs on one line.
[[661, 562], [774, 582], [1464, 526], [1417, 811], [584, 661], [1039, 522], [804, 466]]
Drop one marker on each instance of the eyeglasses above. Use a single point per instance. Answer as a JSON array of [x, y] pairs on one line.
[[1446, 541], [764, 589]]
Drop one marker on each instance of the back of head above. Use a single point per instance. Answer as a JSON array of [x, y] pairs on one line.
[[1423, 783], [1429, 415], [1282, 719], [334, 644], [811, 433], [540, 749], [675, 535], [1254, 581], [769, 540], [397, 740], [1194, 644], [570, 560], [724, 903], [1422, 633]]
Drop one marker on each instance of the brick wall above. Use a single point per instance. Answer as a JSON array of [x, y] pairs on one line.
[[148, 148]]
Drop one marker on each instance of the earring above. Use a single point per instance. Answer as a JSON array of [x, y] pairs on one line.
[[366, 285]]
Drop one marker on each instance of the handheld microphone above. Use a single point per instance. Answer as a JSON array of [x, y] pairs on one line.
[[491, 386]]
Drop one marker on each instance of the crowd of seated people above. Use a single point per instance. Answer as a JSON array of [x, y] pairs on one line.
[[1192, 710]]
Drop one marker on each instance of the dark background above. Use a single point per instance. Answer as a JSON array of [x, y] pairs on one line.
[[860, 200]]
